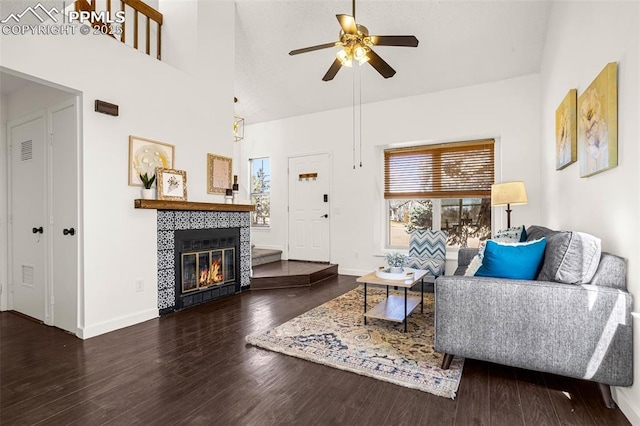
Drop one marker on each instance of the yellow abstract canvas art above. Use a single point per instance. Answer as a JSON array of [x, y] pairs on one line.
[[566, 131], [598, 123]]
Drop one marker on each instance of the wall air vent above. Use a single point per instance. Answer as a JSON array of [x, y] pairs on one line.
[[27, 275], [26, 151]]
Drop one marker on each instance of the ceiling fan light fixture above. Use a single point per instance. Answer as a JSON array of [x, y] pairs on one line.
[[359, 53], [363, 60], [344, 56], [355, 43]]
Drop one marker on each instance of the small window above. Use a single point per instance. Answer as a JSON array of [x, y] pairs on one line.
[[260, 191]]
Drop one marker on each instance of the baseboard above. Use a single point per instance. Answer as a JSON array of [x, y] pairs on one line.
[[628, 405], [270, 247], [116, 323], [353, 272]]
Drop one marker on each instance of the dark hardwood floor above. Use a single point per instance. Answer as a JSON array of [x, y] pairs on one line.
[[193, 367]]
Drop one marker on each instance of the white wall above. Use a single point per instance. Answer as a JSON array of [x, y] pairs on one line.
[[156, 101], [33, 98], [507, 110], [4, 236], [582, 38], [179, 34]]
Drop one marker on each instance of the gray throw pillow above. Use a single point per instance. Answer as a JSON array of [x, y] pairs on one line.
[[570, 257], [535, 232]]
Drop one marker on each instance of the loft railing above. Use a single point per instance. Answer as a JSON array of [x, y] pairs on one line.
[[127, 32]]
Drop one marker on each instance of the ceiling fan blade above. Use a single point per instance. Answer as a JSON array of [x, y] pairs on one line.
[[394, 40], [312, 48], [380, 65], [333, 70], [348, 24]]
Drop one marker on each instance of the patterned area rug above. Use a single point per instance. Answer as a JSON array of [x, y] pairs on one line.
[[334, 334]]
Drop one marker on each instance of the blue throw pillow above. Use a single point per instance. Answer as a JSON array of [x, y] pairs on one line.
[[519, 261]]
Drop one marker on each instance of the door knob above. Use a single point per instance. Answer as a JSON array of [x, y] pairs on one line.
[[37, 230], [325, 215], [69, 231]]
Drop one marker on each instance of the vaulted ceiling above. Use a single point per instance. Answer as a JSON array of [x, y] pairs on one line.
[[462, 43]]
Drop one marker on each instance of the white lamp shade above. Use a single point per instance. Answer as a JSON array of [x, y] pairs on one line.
[[513, 193]]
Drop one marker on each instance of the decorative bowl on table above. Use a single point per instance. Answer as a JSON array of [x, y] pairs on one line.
[[386, 274]]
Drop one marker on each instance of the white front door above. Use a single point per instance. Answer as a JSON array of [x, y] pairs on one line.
[[309, 202], [29, 230], [64, 208]]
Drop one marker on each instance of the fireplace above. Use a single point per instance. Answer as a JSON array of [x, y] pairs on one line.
[[199, 231], [207, 265]]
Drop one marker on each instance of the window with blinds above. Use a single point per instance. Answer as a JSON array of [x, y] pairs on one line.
[[453, 170]]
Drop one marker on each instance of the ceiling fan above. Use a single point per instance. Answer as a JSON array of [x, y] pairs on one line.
[[356, 46]]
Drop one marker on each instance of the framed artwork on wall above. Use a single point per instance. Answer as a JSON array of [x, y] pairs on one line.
[[145, 156], [566, 131], [218, 174], [598, 123], [172, 184]]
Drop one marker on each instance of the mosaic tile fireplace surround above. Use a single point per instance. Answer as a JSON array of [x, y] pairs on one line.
[[214, 226]]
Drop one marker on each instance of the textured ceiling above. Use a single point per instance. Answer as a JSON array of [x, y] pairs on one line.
[[462, 43]]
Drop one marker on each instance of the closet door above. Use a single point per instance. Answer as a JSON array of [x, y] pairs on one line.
[[29, 229], [64, 214]]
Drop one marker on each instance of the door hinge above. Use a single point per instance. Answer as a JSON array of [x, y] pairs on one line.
[[10, 287], [51, 139], [10, 149], [11, 219], [52, 299]]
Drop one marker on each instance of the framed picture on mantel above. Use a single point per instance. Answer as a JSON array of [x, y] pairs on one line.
[[218, 174], [172, 184]]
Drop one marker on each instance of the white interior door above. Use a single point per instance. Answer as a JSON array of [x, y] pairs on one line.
[[309, 202], [29, 228], [64, 208]]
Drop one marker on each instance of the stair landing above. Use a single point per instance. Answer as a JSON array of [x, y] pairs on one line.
[[291, 273]]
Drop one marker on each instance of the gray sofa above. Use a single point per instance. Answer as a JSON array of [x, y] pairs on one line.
[[582, 331]]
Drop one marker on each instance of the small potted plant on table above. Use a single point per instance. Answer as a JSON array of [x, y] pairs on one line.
[[396, 262]]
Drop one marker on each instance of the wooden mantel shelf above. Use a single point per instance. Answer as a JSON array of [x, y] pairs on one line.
[[188, 205]]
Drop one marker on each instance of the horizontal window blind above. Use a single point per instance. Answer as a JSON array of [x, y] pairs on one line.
[[453, 170]]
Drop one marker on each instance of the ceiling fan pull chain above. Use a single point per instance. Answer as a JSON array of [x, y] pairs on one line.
[[360, 107], [354, 120]]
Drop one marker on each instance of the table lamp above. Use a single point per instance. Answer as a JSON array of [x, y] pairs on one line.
[[508, 194]]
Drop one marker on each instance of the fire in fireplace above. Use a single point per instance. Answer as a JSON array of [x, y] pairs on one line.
[[202, 269]]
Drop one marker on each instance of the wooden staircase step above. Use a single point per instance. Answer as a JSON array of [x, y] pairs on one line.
[[291, 273], [262, 256]]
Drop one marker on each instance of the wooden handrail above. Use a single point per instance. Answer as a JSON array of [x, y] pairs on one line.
[[145, 9], [139, 7]]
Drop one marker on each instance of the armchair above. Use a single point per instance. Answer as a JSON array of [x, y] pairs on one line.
[[427, 250]]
